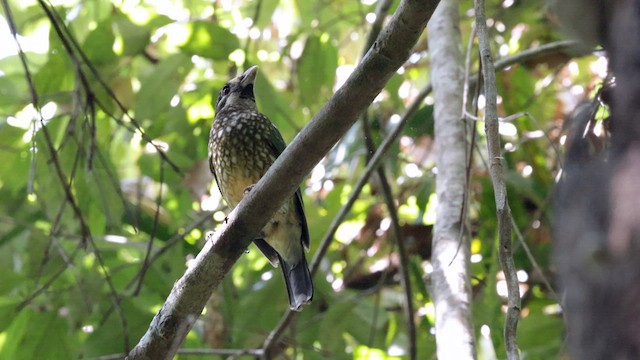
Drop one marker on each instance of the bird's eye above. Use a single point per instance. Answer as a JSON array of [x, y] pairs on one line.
[[226, 90]]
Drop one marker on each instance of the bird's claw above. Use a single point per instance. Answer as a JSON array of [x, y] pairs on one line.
[[248, 189]]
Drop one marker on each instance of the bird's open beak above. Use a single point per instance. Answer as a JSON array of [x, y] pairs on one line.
[[249, 76]]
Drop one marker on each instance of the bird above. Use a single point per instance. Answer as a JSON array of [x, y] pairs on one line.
[[243, 144]]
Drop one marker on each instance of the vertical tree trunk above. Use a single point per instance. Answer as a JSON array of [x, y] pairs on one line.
[[597, 231], [450, 287]]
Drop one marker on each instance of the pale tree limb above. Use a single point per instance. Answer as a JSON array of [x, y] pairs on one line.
[[450, 285], [496, 170], [190, 293]]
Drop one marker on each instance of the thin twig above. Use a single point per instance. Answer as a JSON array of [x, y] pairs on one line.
[[534, 262], [152, 233], [47, 284], [203, 219], [381, 11], [467, 70], [496, 169], [404, 263]]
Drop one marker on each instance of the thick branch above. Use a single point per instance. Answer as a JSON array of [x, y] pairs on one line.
[[496, 170], [189, 294]]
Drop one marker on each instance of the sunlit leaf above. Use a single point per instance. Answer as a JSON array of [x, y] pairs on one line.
[[316, 69], [160, 86], [210, 40], [99, 44]]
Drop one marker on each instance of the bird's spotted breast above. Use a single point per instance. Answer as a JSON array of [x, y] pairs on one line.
[[239, 151]]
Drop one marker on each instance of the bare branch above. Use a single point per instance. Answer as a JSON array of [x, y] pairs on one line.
[[496, 170]]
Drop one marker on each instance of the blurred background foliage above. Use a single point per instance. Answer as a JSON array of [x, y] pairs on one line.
[[106, 193]]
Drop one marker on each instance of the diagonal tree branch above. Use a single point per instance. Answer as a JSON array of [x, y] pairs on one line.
[[190, 293]]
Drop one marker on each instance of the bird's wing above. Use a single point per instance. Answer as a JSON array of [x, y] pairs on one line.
[[303, 219], [277, 146], [269, 252], [213, 171]]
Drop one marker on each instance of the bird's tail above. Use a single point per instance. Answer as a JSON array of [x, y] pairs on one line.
[[298, 280]]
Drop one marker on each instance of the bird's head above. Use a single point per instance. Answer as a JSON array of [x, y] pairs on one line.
[[238, 91]]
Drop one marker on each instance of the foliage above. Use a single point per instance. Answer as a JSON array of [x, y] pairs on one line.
[[107, 195]]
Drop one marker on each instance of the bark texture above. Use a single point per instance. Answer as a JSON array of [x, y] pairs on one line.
[[450, 286], [597, 231]]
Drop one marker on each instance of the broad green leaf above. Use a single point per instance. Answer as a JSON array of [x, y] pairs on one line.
[[352, 317], [393, 86], [7, 310], [277, 108], [134, 37], [267, 7], [421, 122], [98, 46], [160, 85], [517, 89], [13, 93], [316, 70], [540, 335], [37, 335], [108, 337], [210, 40], [56, 75]]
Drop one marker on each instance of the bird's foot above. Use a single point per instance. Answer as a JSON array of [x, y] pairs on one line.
[[248, 189]]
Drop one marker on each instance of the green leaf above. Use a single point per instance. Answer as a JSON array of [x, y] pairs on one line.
[[517, 89], [13, 93], [159, 86], [393, 87], [98, 46], [210, 40], [316, 70], [421, 123], [266, 7], [134, 37], [109, 337], [7, 309], [352, 317], [56, 74], [278, 108], [34, 335], [540, 335]]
